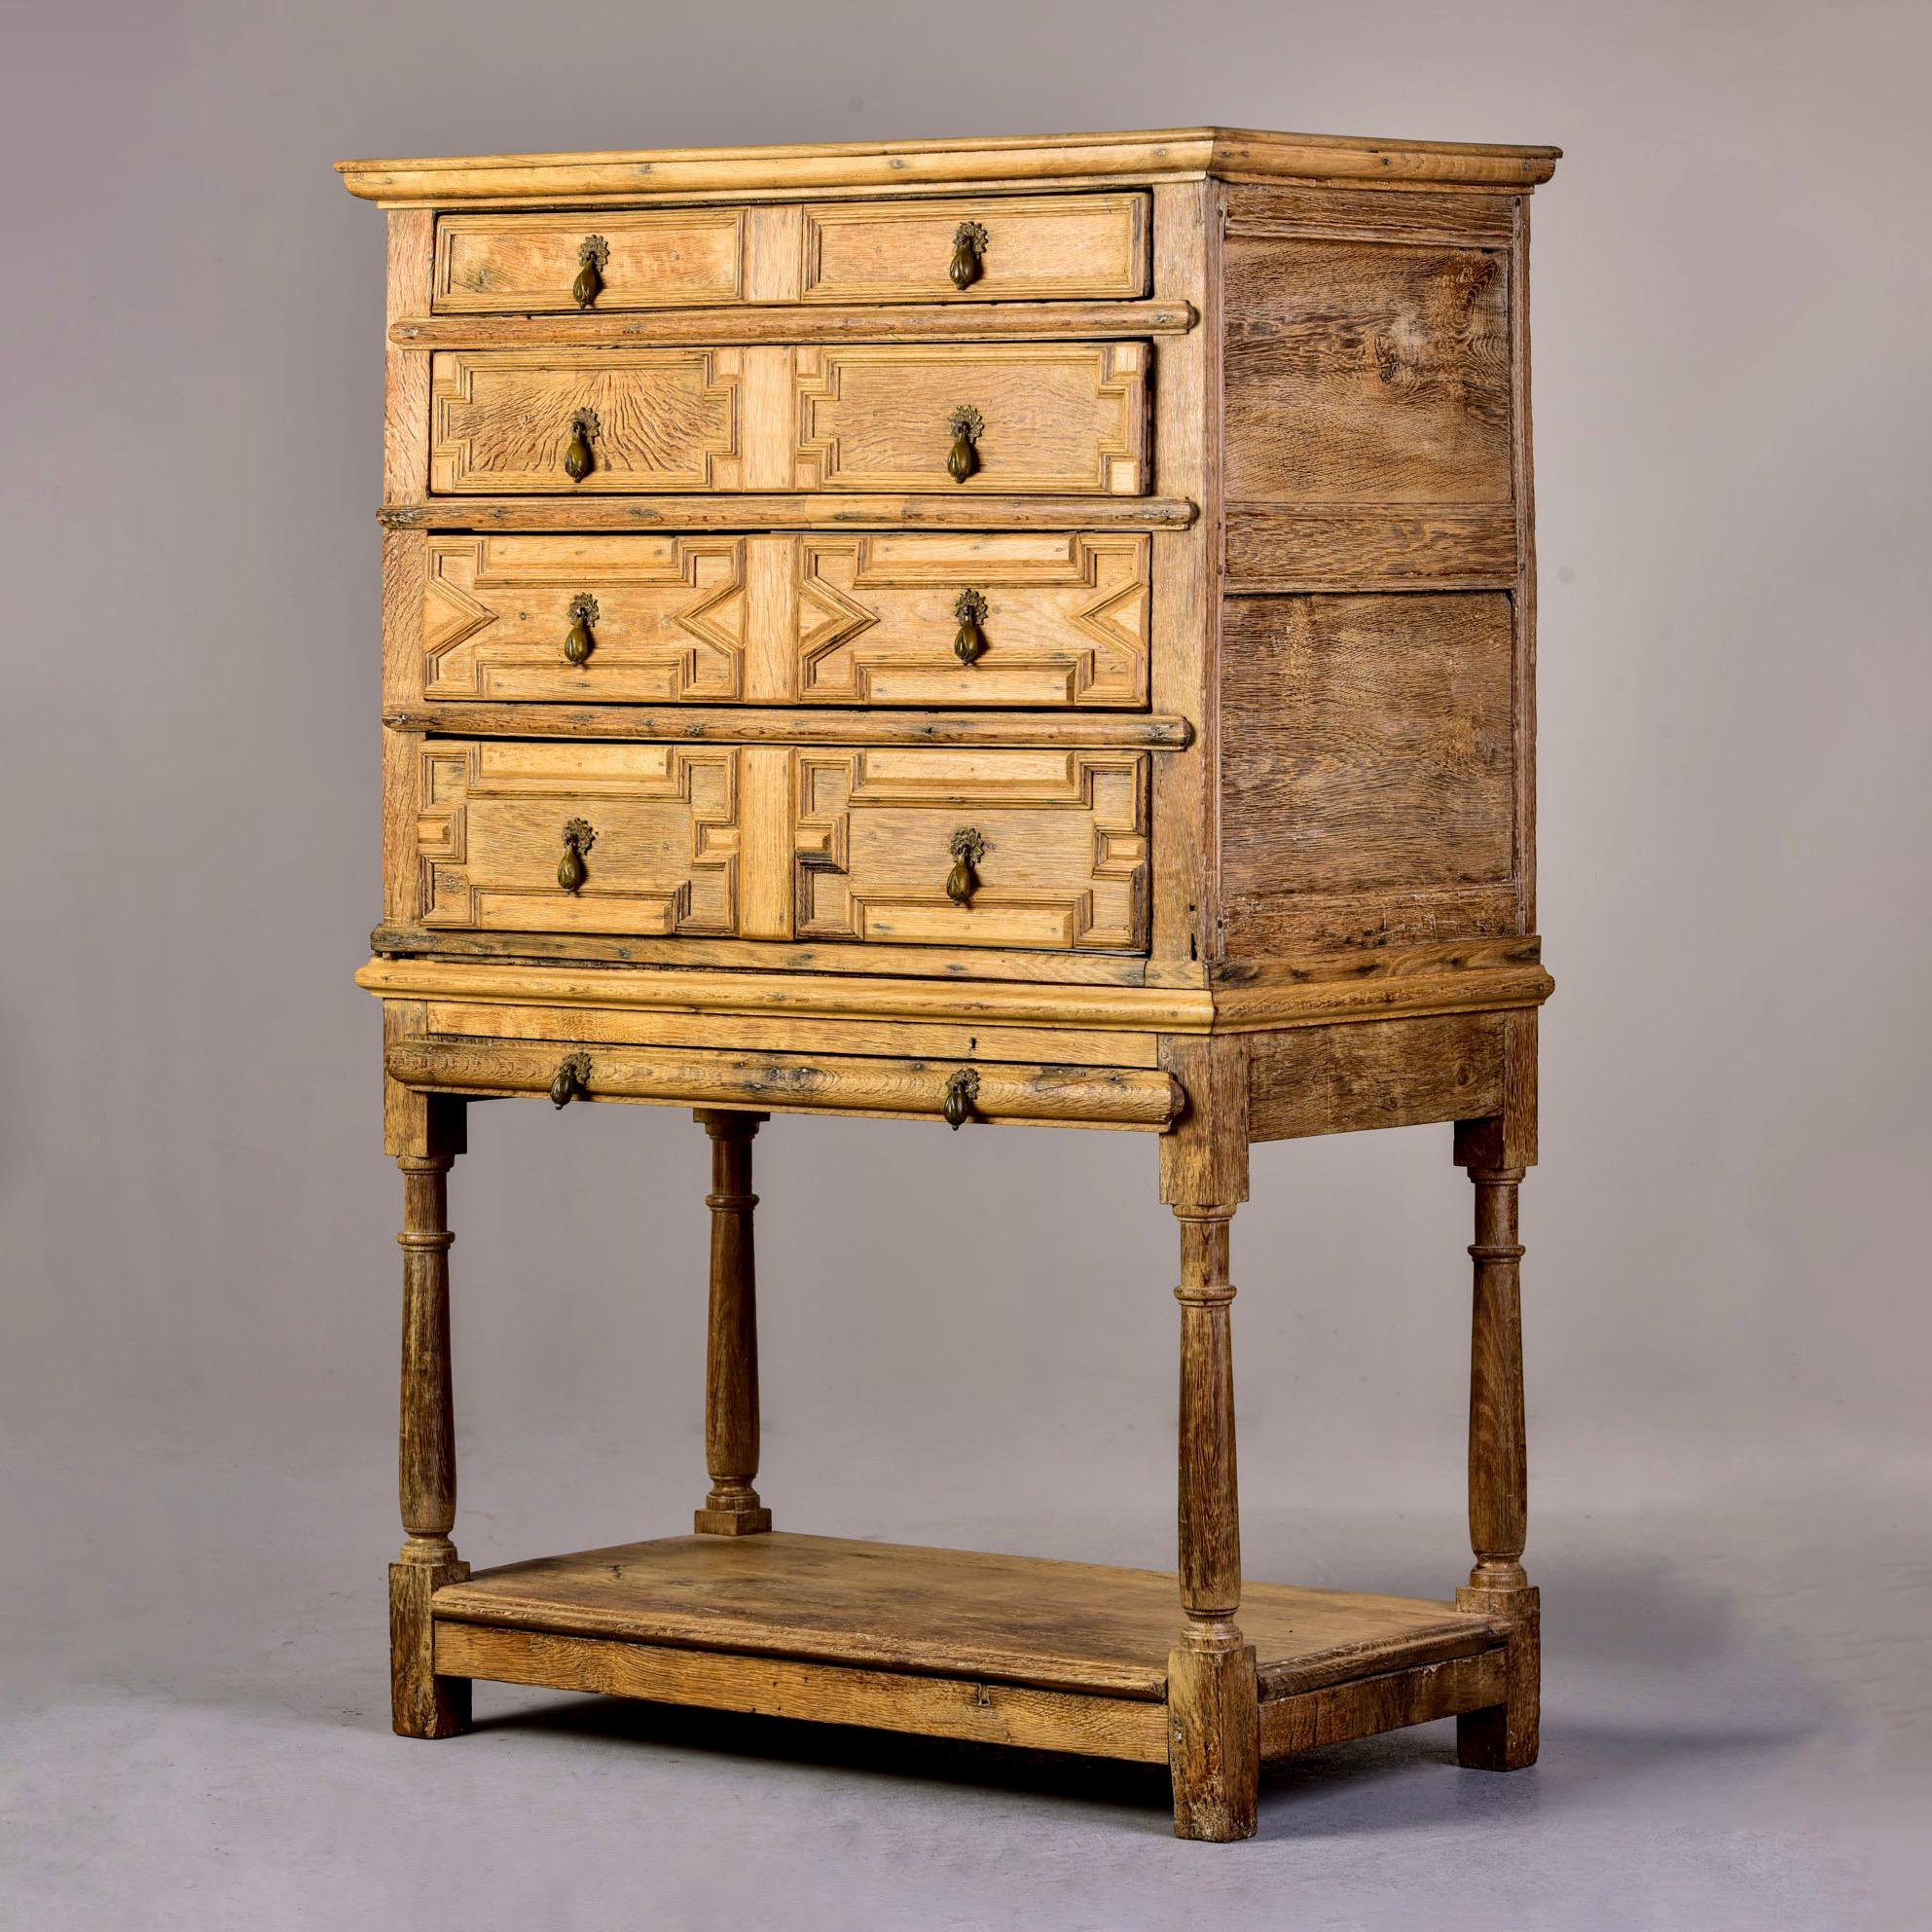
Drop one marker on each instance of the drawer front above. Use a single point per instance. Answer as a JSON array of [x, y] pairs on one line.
[[1025, 849], [1049, 417], [1021, 418], [654, 827], [672, 258], [1002, 249], [646, 420], [601, 619], [1040, 618], [951, 620], [1055, 843], [993, 248]]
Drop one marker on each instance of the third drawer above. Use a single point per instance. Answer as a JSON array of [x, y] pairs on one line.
[[1023, 618]]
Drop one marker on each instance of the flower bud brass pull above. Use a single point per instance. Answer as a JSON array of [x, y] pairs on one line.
[[579, 640], [578, 461], [965, 425], [968, 245], [578, 838], [970, 607], [968, 849], [961, 1093], [592, 257], [571, 1079]]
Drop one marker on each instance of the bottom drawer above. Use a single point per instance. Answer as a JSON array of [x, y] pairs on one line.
[[788, 1082], [914, 845]]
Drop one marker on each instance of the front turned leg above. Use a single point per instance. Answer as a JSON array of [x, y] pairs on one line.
[[1504, 1738], [731, 1347], [422, 1703], [1213, 1707]]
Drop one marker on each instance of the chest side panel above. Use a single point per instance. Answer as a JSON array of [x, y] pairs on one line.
[[1375, 661]]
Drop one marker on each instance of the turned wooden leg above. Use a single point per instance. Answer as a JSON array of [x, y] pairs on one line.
[[731, 1348], [424, 1705], [1503, 1738], [1214, 1716]]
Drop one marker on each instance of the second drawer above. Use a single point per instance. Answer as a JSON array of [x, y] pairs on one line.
[[967, 618], [1028, 417], [1010, 848]]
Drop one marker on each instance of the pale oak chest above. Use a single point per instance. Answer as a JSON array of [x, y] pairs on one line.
[[983, 632]]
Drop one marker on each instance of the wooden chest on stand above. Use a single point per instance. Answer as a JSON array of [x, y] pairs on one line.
[[984, 632]]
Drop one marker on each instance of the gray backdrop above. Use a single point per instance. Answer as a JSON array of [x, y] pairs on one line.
[[1728, 1321]]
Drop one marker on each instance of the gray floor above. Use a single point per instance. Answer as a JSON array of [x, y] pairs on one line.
[[1733, 1737]]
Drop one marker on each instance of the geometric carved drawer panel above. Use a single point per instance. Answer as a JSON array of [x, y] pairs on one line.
[[663, 618], [1065, 417], [1059, 859], [655, 827], [1062, 620]]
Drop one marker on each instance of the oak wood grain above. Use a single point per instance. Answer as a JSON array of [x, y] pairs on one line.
[[1035, 248], [1448, 216], [1116, 1097], [1295, 547], [653, 258], [780, 960], [1305, 1721], [1014, 1619], [789, 1031], [1369, 744], [731, 1337], [1062, 859], [1031, 321], [405, 371], [1056, 416], [1362, 374], [1185, 927], [968, 509], [924, 1704], [425, 1703], [660, 419], [1215, 1747], [585, 723], [686, 982], [918, 166], [1338, 1079]]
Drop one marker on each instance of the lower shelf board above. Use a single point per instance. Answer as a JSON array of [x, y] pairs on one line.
[[1007, 1650]]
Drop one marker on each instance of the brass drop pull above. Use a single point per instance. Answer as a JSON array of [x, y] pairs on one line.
[[571, 1079], [970, 607], [965, 425], [592, 257], [968, 247], [962, 1095], [579, 640], [578, 838], [967, 849], [578, 461]]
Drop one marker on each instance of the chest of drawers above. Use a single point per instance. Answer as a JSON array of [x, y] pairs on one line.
[[978, 632]]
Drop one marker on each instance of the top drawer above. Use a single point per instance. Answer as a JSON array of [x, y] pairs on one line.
[[1013, 248], [663, 258], [994, 248]]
